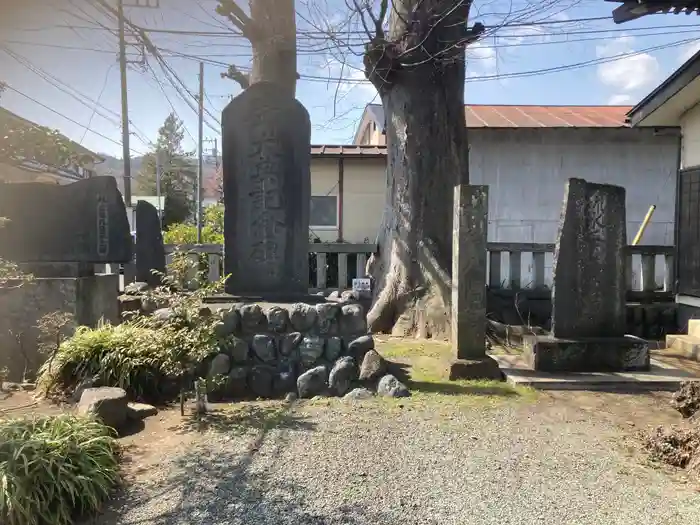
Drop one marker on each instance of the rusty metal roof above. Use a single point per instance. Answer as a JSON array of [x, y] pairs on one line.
[[509, 116], [482, 116], [353, 150]]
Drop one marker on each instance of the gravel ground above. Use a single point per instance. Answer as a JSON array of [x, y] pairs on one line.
[[511, 463]]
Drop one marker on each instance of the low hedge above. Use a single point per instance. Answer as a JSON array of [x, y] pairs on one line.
[[54, 469]]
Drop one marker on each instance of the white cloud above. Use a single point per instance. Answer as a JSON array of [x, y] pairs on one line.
[[482, 56], [352, 79], [629, 74], [688, 51], [620, 99]]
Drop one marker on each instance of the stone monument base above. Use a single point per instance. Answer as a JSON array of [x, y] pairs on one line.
[[547, 353], [484, 368]]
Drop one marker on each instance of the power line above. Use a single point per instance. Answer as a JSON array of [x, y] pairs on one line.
[[7, 86], [94, 110]]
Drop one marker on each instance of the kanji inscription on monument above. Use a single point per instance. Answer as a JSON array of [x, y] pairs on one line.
[[267, 192]]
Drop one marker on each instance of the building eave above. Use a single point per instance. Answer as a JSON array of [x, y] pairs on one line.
[[652, 105]]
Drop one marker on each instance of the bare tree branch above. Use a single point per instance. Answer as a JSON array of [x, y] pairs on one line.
[[231, 10], [236, 74]]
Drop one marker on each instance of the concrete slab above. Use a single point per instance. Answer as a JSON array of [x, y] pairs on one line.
[[662, 376]]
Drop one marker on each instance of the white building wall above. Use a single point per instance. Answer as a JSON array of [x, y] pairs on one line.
[[526, 171], [690, 127]]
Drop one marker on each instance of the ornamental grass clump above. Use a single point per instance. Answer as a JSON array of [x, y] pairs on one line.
[[54, 469]]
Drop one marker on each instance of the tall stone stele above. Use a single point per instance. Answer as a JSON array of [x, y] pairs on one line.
[[266, 138], [589, 292]]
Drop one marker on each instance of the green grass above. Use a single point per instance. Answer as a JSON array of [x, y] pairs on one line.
[[424, 366], [54, 469]]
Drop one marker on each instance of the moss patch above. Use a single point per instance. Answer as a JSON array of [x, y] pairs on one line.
[[424, 366]]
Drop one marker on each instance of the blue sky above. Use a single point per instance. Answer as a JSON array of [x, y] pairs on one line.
[[61, 38]]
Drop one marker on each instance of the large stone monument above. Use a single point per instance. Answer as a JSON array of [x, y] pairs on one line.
[[267, 191], [82, 222], [150, 250], [58, 234], [588, 296], [468, 319]]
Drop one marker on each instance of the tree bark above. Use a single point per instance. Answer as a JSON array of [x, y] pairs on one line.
[[419, 73], [274, 43]]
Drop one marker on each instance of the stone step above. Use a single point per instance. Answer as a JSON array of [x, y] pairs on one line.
[[694, 327], [686, 345]]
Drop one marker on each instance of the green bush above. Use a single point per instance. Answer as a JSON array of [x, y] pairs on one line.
[[148, 362], [53, 469], [212, 229]]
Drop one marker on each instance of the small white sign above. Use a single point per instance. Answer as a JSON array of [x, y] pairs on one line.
[[362, 285]]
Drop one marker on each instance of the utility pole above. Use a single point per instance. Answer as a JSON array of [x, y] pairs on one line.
[[200, 147], [159, 176], [126, 150]]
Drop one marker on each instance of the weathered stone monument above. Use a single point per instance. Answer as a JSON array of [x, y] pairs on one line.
[[469, 250], [150, 250], [267, 192], [58, 234], [588, 296], [82, 222]]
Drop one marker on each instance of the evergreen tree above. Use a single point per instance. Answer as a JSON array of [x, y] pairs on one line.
[[179, 175]]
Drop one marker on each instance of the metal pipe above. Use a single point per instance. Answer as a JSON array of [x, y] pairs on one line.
[[644, 225]]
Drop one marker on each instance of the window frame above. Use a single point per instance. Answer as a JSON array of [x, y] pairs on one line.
[[337, 215]]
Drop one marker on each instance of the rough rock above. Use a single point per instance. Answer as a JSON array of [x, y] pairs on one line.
[[150, 304], [236, 385], [109, 404], [264, 348], [277, 319], [90, 382], [311, 349], [334, 347], [284, 381], [219, 366], [353, 319], [334, 295], [342, 375], [289, 343], [139, 411], [373, 366], [350, 296], [360, 346], [163, 315], [358, 394], [230, 320], [135, 288], [389, 386], [326, 317], [291, 397], [252, 318], [237, 348], [302, 317], [313, 382], [260, 381], [687, 399]]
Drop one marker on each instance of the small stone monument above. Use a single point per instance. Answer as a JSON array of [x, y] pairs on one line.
[[469, 249], [150, 250], [266, 138], [589, 292]]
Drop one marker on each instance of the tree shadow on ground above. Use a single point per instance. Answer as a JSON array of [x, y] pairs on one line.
[[239, 419], [214, 484], [404, 373]]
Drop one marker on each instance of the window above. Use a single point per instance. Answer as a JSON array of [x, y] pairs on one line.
[[324, 211]]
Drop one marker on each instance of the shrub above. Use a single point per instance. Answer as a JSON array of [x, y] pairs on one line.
[[53, 469], [212, 229], [151, 358]]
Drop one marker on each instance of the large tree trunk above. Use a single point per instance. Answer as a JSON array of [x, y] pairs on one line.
[[270, 26], [274, 43], [427, 155]]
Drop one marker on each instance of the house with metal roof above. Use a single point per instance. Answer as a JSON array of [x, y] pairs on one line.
[[676, 103], [629, 10], [525, 154], [18, 169]]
